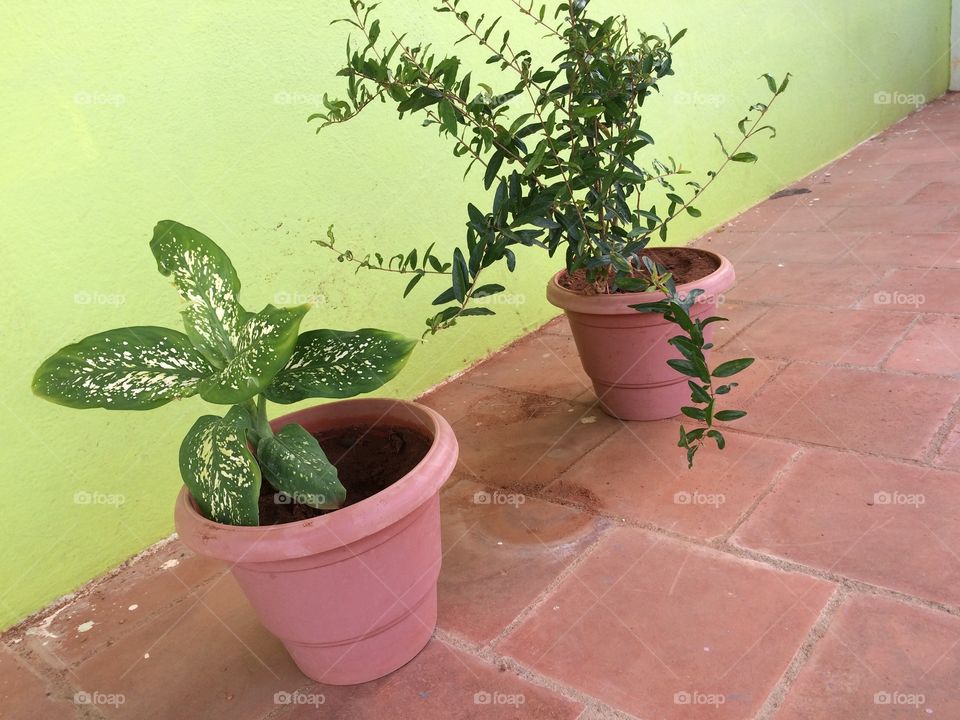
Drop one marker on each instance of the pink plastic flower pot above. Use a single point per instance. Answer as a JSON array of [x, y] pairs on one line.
[[351, 594], [625, 352]]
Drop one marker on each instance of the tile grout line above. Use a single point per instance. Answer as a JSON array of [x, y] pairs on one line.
[[900, 341], [771, 486], [860, 586], [858, 303], [770, 561], [936, 443], [504, 662], [603, 530], [84, 590], [781, 368], [23, 651], [863, 368], [744, 328], [56, 684], [816, 633], [913, 462], [888, 310]]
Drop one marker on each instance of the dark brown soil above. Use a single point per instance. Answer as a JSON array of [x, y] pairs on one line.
[[687, 265], [368, 460]]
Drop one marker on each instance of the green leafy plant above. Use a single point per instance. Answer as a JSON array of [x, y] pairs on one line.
[[562, 149], [692, 345], [227, 356]]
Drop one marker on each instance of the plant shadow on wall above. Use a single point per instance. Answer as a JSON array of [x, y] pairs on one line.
[[561, 153]]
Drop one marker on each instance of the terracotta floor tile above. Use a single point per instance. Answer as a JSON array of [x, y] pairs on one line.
[[931, 346], [544, 364], [937, 193], [521, 442], [739, 316], [892, 250], [640, 474], [875, 520], [751, 380], [689, 623], [774, 247], [856, 337], [927, 172], [882, 660], [799, 283], [440, 684], [120, 603], [917, 290], [783, 215], [857, 169], [209, 659], [558, 326], [459, 398], [951, 224], [25, 695], [843, 193], [863, 410], [922, 151], [899, 218], [500, 551]]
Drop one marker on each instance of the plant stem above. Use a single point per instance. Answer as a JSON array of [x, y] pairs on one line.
[[263, 424]]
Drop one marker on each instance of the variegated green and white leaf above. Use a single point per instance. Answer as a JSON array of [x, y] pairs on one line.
[[295, 464], [339, 364], [135, 368], [218, 468], [206, 279], [264, 347]]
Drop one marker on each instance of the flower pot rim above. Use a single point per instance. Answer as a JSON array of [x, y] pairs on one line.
[[266, 543], [619, 303]]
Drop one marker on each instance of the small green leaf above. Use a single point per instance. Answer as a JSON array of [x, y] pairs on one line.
[[461, 275], [698, 393], [588, 112], [536, 158], [413, 283], [695, 368], [265, 345], [744, 157], [339, 364], [695, 413], [732, 367], [718, 436], [448, 116], [219, 470], [493, 167], [135, 368], [295, 464], [487, 290], [728, 415], [373, 33], [476, 311]]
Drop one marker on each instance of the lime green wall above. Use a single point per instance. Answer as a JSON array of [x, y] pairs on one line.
[[117, 114]]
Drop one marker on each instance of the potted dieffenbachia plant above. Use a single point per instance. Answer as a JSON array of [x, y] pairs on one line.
[[328, 516], [565, 154]]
